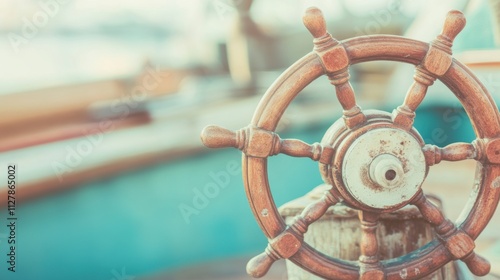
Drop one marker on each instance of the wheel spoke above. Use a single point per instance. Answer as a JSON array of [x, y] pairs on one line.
[[458, 243], [289, 242], [298, 148], [336, 64], [370, 267], [313, 212], [435, 64], [432, 213], [404, 115], [453, 152], [353, 115], [256, 142]]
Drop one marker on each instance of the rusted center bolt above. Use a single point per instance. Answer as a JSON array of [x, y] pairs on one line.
[[386, 171], [390, 174]]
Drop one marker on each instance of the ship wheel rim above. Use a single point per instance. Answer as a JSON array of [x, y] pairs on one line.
[[459, 79]]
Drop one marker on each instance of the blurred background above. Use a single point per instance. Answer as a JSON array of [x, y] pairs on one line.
[[102, 103]]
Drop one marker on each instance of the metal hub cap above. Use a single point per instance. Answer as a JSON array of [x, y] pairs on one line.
[[384, 168], [386, 171]]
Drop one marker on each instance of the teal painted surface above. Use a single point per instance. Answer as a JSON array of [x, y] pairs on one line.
[[444, 125]]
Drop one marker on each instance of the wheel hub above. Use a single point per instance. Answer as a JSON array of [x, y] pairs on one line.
[[383, 168], [377, 166]]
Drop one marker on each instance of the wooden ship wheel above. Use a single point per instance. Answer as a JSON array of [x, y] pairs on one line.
[[374, 161]]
